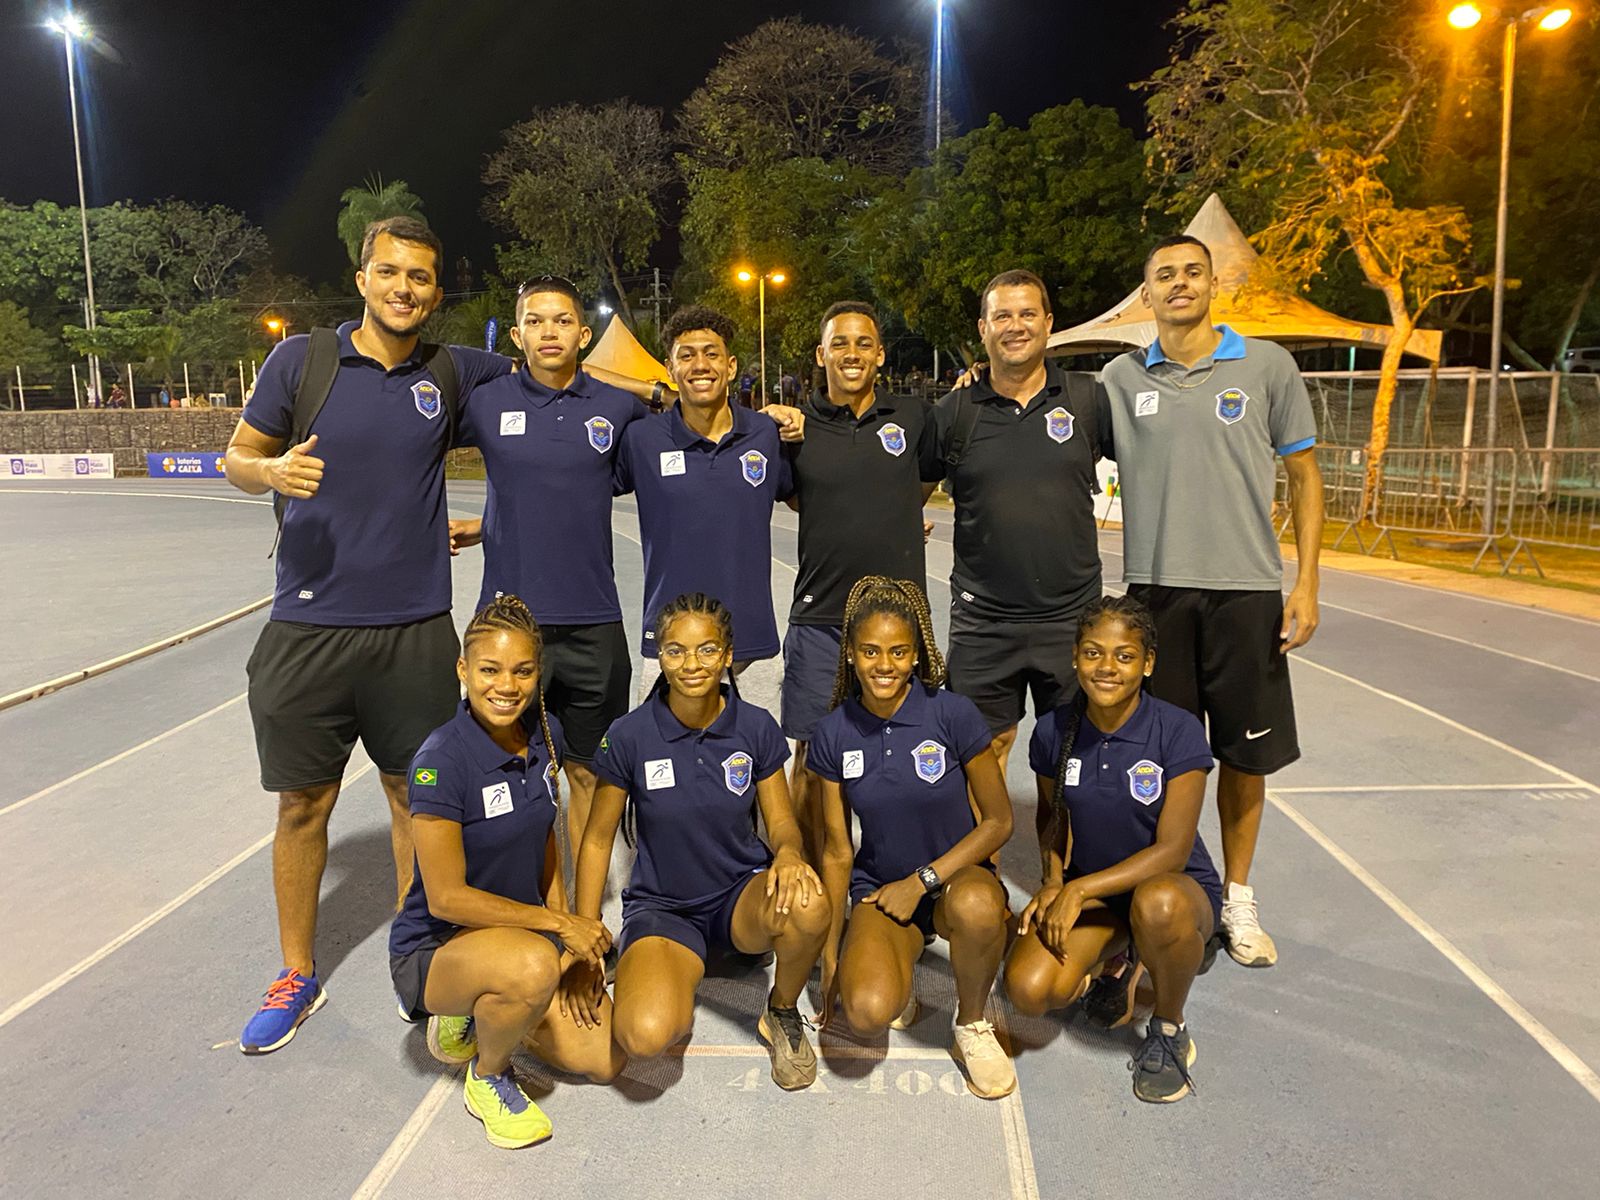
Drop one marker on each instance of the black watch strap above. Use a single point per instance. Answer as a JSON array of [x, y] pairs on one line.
[[931, 882]]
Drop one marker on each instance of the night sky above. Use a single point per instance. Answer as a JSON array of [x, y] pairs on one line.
[[275, 108]]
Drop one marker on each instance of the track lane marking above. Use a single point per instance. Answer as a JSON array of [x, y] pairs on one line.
[[1343, 789], [30, 491]]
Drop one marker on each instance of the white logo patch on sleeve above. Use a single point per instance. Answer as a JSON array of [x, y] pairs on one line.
[[658, 774], [855, 762], [513, 424], [497, 799], [672, 463]]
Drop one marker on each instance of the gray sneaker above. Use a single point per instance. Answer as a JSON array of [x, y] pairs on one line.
[[794, 1061], [1161, 1064]]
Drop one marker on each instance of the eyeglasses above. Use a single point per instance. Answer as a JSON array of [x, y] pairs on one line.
[[708, 654], [540, 283]]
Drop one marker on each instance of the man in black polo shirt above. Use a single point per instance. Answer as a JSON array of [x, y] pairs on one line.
[[858, 479], [1019, 449]]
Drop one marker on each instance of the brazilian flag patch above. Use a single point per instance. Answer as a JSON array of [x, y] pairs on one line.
[[424, 777]]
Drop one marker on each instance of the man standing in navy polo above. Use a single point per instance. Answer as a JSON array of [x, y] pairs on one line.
[[549, 435], [360, 643], [706, 475]]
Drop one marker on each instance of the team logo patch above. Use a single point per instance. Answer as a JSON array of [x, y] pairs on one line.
[[658, 774], [736, 771], [893, 439], [550, 773], [855, 763], [513, 424], [424, 777], [600, 433], [754, 465], [1058, 424], [497, 800], [1146, 404], [1230, 405], [1144, 781], [930, 761], [430, 401]]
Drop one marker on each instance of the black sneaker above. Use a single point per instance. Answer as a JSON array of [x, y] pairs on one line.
[[1161, 1064], [1108, 1004]]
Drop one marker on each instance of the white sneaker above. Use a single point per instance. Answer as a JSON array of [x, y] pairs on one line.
[[910, 1015], [1247, 943], [989, 1070]]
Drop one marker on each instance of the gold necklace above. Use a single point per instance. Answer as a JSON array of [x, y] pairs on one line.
[[1184, 387]]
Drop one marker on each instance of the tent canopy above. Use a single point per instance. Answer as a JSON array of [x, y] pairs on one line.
[[618, 350], [1261, 312]]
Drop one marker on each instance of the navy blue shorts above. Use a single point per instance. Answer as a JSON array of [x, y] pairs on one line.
[[706, 928], [923, 917], [410, 975], [810, 667], [1122, 905]]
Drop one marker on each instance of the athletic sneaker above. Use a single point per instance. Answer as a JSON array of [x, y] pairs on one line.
[[910, 1014], [1108, 1003], [510, 1119], [794, 1061], [452, 1040], [290, 1000], [405, 1013], [1161, 1065], [1247, 942], [989, 1070]]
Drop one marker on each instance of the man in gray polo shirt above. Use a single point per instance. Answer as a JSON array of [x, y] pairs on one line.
[[1198, 417]]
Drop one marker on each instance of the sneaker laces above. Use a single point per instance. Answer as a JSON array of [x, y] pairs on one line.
[[1159, 1049], [980, 1041], [281, 993], [506, 1090], [1239, 916], [793, 1024]]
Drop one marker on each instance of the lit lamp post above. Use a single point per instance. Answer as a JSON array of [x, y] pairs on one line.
[[760, 279], [938, 114], [72, 29], [1467, 16], [278, 326]]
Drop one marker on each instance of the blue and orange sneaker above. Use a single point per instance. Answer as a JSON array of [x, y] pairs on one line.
[[290, 1000]]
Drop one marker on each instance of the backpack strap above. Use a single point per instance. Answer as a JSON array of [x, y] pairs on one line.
[[316, 381], [966, 420], [441, 364]]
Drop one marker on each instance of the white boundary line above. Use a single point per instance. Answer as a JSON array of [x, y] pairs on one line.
[[133, 931], [1014, 1123], [35, 691], [1568, 776], [116, 758], [1574, 1066], [31, 491], [410, 1134], [1450, 637], [1543, 786]]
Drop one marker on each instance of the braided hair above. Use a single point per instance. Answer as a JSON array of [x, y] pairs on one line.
[[878, 595], [508, 613]]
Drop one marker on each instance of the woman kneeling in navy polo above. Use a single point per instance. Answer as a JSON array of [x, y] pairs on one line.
[[688, 767], [1121, 777], [901, 753], [478, 932]]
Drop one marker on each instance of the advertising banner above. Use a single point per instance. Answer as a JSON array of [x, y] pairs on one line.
[[61, 466], [184, 464]]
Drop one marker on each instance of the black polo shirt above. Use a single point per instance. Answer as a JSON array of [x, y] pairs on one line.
[[1025, 547], [859, 483]]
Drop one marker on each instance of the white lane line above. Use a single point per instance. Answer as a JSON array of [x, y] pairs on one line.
[[1300, 657], [28, 491], [1450, 637], [410, 1134], [1574, 1066], [116, 758], [1542, 785], [1014, 1123], [1422, 587], [36, 690], [133, 931]]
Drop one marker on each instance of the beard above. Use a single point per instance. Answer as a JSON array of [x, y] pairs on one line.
[[381, 318]]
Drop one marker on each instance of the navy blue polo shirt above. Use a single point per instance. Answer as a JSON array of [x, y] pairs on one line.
[[372, 547], [550, 457], [705, 518], [1115, 793], [505, 804], [694, 796], [902, 777]]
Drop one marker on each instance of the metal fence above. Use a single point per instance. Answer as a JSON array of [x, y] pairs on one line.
[[66, 385]]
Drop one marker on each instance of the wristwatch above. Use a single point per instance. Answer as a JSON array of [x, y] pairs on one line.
[[931, 883]]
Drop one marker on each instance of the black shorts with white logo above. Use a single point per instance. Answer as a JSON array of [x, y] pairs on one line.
[[997, 664], [315, 689], [587, 676], [1217, 655]]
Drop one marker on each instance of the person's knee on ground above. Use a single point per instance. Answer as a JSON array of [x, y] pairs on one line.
[[870, 1004], [1036, 982]]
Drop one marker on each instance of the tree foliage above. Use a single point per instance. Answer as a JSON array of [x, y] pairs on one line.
[[21, 345], [1318, 111], [581, 187], [791, 90], [1062, 197], [373, 201], [133, 335]]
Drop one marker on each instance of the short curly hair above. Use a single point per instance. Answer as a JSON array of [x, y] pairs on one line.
[[698, 316]]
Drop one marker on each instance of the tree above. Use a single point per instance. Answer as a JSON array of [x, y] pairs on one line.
[[21, 345], [793, 90], [1319, 111], [200, 253], [1061, 197], [581, 186], [373, 201], [132, 335]]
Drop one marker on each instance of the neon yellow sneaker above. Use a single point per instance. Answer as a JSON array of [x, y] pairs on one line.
[[452, 1040], [510, 1119]]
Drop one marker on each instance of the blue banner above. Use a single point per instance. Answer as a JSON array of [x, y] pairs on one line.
[[186, 464], [490, 329]]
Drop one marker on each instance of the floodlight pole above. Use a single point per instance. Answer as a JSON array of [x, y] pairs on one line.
[[83, 206], [938, 119], [1497, 322]]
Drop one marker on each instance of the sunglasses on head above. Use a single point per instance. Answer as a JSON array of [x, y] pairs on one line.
[[541, 283]]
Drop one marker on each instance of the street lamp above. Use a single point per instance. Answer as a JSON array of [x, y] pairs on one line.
[[1467, 16], [760, 279], [72, 29], [278, 326], [938, 111]]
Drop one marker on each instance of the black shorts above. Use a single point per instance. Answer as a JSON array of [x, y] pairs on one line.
[[315, 689], [587, 677], [705, 928], [410, 975], [1121, 905], [1217, 655], [810, 669], [996, 664]]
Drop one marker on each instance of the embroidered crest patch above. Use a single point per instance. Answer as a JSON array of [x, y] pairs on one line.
[[754, 465], [1144, 781], [429, 400], [893, 439], [1058, 424], [930, 761], [736, 771], [600, 433], [1230, 405]]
